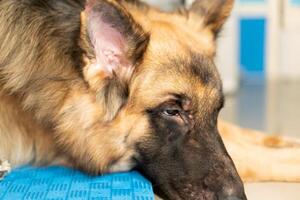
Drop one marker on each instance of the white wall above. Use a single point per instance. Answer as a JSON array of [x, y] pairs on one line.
[[165, 4], [227, 54], [290, 42], [282, 45]]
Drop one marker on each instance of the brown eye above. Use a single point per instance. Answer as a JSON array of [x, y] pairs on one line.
[[171, 112]]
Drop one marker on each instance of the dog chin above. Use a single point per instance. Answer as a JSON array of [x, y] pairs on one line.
[[122, 166]]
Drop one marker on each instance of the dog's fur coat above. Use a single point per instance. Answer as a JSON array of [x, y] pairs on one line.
[[96, 85]]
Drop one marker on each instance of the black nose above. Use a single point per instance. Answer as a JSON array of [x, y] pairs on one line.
[[237, 195], [234, 198], [233, 192]]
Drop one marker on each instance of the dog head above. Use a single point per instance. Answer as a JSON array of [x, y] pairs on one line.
[[159, 68]]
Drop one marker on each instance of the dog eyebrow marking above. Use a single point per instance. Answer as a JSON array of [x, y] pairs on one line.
[[183, 100], [202, 67], [198, 66]]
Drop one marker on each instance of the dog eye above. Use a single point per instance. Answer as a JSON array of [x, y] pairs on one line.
[[171, 112]]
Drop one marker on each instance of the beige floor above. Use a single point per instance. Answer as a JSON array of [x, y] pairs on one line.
[[274, 108], [273, 191]]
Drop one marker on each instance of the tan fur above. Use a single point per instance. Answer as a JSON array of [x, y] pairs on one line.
[[59, 99], [49, 113], [167, 27], [22, 139], [257, 160]]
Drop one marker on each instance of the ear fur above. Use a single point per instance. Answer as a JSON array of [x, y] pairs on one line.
[[117, 40], [213, 12]]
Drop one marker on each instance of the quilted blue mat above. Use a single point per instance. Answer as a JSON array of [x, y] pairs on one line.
[[58, 183]]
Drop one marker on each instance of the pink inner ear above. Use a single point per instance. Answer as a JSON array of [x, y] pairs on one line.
[[109, 44], [89, 5]]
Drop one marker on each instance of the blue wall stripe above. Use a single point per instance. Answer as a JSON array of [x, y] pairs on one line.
[[252, 46], [295, 2], [252, 1]]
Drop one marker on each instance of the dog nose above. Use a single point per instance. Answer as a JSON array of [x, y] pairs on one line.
[[232, 193], [233, 198]]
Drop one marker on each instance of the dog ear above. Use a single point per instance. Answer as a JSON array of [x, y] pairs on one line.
[[213, 12], [117, 40]]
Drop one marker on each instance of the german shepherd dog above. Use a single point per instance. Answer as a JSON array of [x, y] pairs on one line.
[[107, 86]]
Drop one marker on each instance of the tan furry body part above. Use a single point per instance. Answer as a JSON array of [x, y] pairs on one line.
[[49, 113], [262, 157]]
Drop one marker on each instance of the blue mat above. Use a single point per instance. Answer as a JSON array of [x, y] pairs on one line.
[[58, 183]]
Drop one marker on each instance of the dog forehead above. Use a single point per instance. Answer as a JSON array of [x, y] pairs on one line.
[[175, 35], [193, 76], [177, 47], [178, 59], [173, 31], [189, 68]]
